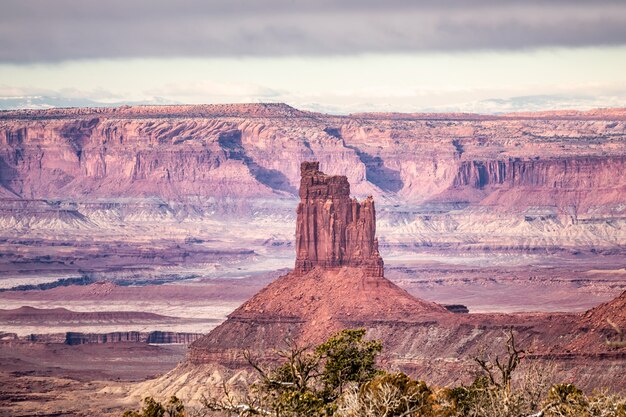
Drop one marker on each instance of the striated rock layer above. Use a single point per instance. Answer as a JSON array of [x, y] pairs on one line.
[[332, 229], [535, 181], [307, 308], [79, 338], [173, 152]]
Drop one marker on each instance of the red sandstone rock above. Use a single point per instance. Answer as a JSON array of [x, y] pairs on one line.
[[604, 324], [174, 152], [338, 279], [337, 285], [332, 229]]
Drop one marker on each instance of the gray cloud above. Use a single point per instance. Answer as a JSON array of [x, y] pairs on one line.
[[48, 31]]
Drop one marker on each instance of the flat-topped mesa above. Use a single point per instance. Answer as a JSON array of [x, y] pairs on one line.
[[334, 230]]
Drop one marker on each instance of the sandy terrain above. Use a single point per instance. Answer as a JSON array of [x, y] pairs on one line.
[[56, 380]]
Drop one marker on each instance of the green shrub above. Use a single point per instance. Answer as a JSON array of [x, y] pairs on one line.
[[347, 358], [340, 378], [152, 408]]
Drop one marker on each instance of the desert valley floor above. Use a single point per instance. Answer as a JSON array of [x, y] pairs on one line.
[[33, 372]]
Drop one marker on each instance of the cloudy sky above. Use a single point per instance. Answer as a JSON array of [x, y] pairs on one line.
[[338, 56]]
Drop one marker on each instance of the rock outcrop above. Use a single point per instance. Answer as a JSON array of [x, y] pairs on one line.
[[338, 279], [327, 293], [332, 229], [307, 308], [79, 338], [555, 182]]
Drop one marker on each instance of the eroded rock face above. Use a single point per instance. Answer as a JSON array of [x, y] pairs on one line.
[[332, 229], [338, 279], [308, 308], [173, 152], [338, 283], [519, 181], [79, 338]]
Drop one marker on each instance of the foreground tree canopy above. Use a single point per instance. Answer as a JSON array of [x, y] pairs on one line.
[[340, 378]]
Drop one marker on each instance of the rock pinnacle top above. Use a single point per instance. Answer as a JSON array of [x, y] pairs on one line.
[[332, 229]]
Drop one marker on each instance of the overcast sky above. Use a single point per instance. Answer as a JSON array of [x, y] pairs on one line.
[[337, 56]]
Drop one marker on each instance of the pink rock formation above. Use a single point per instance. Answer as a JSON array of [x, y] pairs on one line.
[[332, 229], [338, 283], [536, 181], [174, 152]]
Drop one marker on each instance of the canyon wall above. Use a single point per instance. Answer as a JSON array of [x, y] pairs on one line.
[[174, 152], [545, 180], [79, 338]]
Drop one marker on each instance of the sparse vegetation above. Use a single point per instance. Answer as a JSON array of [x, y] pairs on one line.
[[340, 378], [152, 408], [619, 341]]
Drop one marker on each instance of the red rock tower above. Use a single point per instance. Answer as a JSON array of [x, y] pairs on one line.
[[334, 230]]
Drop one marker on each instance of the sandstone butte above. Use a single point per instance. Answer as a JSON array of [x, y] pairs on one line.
[[332, 229], [338, 283]]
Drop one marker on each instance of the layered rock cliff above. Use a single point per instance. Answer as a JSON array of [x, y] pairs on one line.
[[520, 181], [246, 150], [78, 338], [332, 229], [552, 182]]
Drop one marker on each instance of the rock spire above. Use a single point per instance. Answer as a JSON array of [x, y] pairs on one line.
[[332, 229]]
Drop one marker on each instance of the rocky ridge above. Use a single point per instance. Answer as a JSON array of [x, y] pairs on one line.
[[27, 314], [80, 338]]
